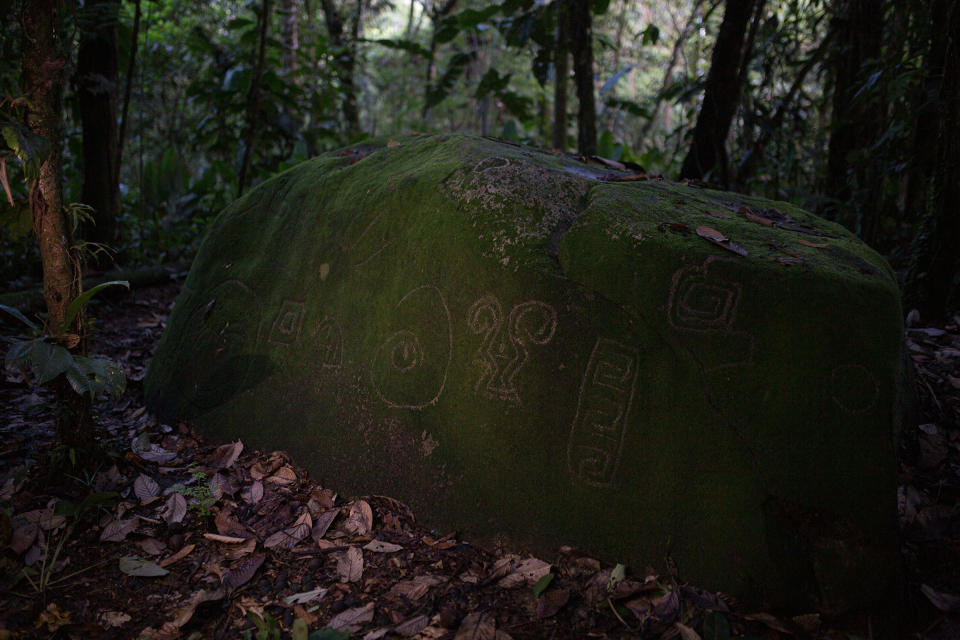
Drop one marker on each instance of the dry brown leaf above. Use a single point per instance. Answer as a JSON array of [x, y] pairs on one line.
[[686, 633], [261, 470], [117, 530], [359, 519], [179, 555], [152, 546], [480, 626], [241, 572], [225, 455], [412, 626], [240, 550], [818, 245], [289, 537], [350, 564], [23, 537], [283, 476], [253, 493], [526, 572], [145, 488], [322, 499], [550, 602], [378, 546], [44, 518], [182, 615], [717, 238], [174, 509], [228, 525], [216, 537], [415, 589], [113, 619], [321, 523], [352, 619]]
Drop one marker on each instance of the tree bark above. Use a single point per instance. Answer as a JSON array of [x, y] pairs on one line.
[[44, 58], [253, 101], [720, 97], [289, 36], [581, 33], [345, 66], [933, 280], [855, 120], [128, 85], [97, 83], [436, 13], [561, 62]]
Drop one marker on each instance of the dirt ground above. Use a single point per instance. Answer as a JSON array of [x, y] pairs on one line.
[[172, 536]]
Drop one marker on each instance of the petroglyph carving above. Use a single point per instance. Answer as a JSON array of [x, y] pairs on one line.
[[286, 326], [603, 410], [704, 301], [328, 339], [500, 357], [369, 243], [409, 370], [853, 388]]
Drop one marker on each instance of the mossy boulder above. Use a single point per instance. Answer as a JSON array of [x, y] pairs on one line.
[[543, 352]]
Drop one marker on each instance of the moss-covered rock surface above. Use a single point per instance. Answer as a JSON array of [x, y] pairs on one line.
[[541, 352]]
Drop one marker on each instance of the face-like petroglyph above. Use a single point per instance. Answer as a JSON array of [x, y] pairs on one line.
[[853, 388], [328, 339], [409, 370], [287, 324], [603, 410], [703, 301], [502, 354]]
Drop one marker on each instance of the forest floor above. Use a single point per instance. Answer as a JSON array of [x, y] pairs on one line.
[[176, 537]]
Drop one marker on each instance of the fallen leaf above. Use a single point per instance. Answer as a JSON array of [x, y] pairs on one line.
[[321, 523], [228, 525], [113, 619], [145, 488], [379, 546], [551, 602], [756, 218], [305, 596], [179, 555], [289, 537], [945, 602], [480, 626], [44, 518], [23, 537], [768, 620], [359, 519], [412, 626], [720, 240], [261, 470], [718, 214], [216, 537], [818, 245], [240, 550], [352, 619], [134, 566], [283, 476], [527, 572], [225, 455], [241, 572], [253, 493], [117, 530], [350, 564], [152, 546], [175, 508], [686, 633], [183, 614], [416, 588], [52, 618]]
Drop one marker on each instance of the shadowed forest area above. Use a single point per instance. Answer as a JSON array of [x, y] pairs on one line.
[[128, 125]]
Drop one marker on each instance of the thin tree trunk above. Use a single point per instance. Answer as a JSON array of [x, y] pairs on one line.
[[561, 72], [582, 39], [855, 122], [97, 87], [933, 281], [721, 95], [345, 66], [435, 14], [253, 101], [128, 85], [290, 36], [43, 63]]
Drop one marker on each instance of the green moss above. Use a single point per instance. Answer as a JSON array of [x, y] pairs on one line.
[[524, 351]]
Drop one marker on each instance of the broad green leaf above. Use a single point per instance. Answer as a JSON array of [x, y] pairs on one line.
[[405, 45], [49, 360], [617, 576], [18, 354], [31, 149], [134, 566], [300, 629], [82, 299], [651, 34], [491, 81], [19, 316], [542, 584], [96, 375]]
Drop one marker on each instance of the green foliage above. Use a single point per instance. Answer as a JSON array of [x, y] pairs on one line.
[[200, 495]]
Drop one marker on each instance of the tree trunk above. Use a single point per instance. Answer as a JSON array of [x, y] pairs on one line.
[[561, 69], [289, 36], [44, 58], [582, 45], [128, 85], [345, 66], [720, 96], [253, 100], [436, 13], [933, 281], [97, 83], [855, 121]]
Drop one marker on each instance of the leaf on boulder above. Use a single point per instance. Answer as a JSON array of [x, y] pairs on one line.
[[717, 238], [225, 455], [350, 564], [117, 530], [174, 509], [352, 619], [145, 488], [134, 566], [240, 573]]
